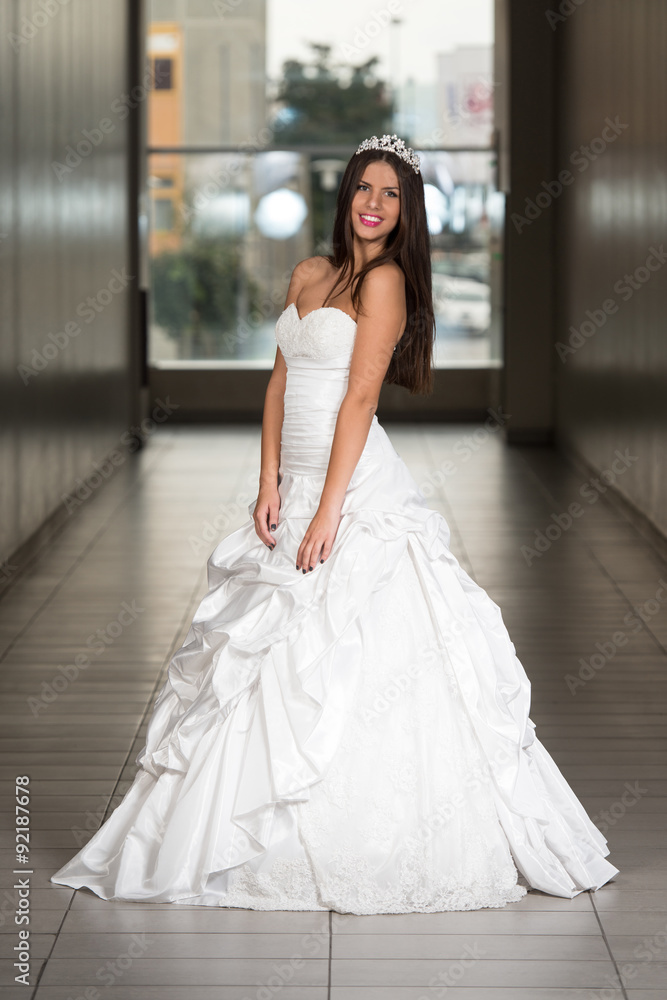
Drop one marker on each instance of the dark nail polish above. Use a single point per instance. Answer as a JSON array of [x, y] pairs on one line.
[[303, 570], [309, 568], [321, 560], [273, 527], [297, 565]]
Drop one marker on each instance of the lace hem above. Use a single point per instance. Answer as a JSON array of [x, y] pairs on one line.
[[291, 885]]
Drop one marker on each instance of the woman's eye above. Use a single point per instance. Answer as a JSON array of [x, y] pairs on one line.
[[365, 188]]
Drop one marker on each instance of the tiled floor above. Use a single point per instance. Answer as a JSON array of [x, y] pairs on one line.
[[143, 540]]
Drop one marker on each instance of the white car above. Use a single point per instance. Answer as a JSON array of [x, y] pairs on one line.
[[462, 304]]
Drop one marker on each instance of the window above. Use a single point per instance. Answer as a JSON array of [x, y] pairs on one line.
[[262, 122], [163, 214], [162, 74]]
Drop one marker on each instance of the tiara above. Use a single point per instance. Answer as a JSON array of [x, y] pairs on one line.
[[394, 145]]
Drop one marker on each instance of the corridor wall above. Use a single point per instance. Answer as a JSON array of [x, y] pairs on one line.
[[610, 351], [69, 363]]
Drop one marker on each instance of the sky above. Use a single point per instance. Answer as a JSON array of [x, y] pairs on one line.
[[357, 29]]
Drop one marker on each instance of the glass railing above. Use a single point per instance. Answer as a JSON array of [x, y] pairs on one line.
[[227, 228]]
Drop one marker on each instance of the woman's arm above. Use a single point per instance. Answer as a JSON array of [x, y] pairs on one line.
[[377, 333], [265, 515]]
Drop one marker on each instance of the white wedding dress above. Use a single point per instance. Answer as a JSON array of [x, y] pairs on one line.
[[355, 738]]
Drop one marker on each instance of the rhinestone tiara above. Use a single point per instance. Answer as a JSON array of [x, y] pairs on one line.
[[394, 145]]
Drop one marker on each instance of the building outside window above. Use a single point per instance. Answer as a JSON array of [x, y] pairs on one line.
[[255, 109]]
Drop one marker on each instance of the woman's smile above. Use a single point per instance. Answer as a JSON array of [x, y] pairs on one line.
[[371, 220]]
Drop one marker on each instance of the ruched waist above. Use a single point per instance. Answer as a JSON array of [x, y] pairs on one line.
[[311, 406]]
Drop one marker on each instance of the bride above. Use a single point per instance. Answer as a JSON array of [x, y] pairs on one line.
[[346, 725]]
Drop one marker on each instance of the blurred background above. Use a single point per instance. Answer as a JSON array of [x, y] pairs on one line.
[[165, 163], [227, 227]]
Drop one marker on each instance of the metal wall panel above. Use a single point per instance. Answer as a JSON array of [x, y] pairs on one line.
[[64, 232], [611, 372], [524, 77]]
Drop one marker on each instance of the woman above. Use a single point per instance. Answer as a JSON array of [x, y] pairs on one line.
[[346, 725]]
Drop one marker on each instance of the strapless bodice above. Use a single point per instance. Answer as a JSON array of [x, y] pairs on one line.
[[317, 349], [326, 335]]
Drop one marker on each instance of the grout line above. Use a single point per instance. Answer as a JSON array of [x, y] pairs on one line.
[[82, 554], [191, 605], [55, 940], [98, 534], [608, 946], [330, 954], [605, 719], [585, 543]]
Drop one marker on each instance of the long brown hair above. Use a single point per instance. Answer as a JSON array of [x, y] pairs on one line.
[[408, 245]]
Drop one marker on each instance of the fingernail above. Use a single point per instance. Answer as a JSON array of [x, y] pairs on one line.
[[273, 527], [303, 570], [297, 565], [309, 568], [272, 547], [321, 560]]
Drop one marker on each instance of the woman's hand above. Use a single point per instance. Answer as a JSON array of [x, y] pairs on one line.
[[265, 514], [319, 538]]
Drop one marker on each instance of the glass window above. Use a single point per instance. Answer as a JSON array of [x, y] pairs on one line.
[[163, 214], [162, 74], [283, 93]]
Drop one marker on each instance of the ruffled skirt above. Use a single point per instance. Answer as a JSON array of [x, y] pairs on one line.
[[355, 738]]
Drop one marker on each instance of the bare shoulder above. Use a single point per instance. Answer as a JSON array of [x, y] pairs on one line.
[[305, 270], [384, 288], [386, 279]]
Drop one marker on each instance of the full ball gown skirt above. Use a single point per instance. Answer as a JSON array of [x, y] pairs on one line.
[[355, 738]]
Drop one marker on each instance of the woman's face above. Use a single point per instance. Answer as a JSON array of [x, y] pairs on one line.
[[376, 205]]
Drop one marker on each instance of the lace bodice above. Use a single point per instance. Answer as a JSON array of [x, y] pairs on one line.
[[323, 333]]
